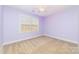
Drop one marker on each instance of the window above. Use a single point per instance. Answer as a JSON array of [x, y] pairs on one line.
[[29, 23]]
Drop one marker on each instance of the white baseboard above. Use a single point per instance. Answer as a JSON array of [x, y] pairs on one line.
[[61, 38], [6, 43]]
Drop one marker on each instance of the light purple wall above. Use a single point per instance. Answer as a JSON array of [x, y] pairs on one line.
[[11, 23], [0, 23], [64, 24], [42, 24]]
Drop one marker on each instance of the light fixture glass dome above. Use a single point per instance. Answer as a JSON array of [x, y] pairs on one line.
[[41, 8]]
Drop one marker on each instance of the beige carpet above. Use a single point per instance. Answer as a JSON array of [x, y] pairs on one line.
[[41, 45]]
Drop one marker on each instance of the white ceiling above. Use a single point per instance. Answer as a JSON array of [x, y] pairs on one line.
[[34, 9]]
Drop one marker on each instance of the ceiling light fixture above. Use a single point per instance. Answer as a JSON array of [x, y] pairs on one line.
[[42, 8]]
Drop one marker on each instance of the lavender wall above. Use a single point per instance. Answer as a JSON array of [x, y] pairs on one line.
[[42, 24], [0, 24], [11, 25], [64, 24]]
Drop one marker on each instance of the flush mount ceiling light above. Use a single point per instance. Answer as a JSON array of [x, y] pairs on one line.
[[42, 8]]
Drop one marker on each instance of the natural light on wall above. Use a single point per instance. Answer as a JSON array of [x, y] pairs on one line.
[[28, 23]]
